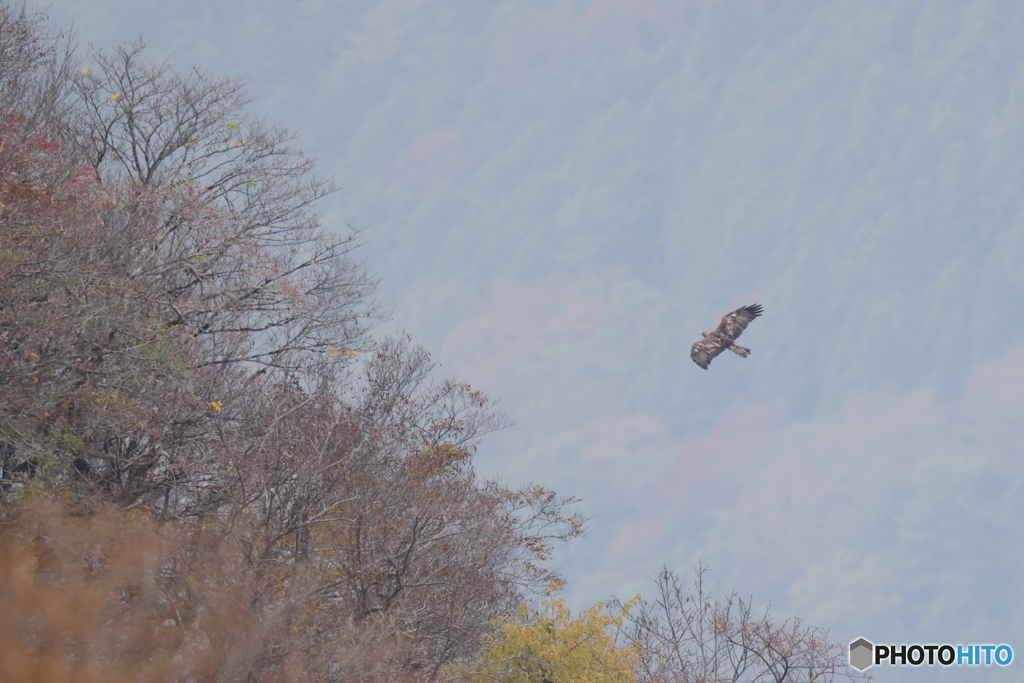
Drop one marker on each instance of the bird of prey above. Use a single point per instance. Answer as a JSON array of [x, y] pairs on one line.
[[725, 334]]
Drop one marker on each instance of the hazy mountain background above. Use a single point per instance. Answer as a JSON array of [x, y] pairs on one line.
[[559, 196]]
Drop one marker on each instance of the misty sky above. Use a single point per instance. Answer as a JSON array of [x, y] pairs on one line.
[[559, 196]]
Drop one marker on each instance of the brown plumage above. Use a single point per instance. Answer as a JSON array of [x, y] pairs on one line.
[[732, 326]]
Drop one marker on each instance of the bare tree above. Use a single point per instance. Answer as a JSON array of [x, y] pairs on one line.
[[370, 493], [217, 206], [686, 637], [180, 337], [98, 391], [160, 251], [35, 77]]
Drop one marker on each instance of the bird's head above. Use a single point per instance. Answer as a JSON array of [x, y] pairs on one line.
[[705, 334]]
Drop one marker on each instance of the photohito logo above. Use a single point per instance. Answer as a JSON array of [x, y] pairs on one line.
[[864, 654]]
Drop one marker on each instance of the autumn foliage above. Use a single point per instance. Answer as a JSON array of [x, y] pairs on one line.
[[245, 483], [210, 468], [548, 644], [105, 596]]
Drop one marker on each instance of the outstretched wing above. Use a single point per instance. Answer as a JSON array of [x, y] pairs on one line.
[[705, 350], [734, 323]]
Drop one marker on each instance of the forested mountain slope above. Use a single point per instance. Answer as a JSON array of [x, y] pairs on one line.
[[559, 198]]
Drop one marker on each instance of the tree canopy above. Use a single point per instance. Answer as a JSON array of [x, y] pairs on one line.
[[181, 338]]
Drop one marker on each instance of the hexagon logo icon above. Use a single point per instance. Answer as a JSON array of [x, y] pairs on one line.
[[861, 654]]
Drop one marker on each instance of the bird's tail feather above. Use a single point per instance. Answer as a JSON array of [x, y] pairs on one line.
[[739, 350]]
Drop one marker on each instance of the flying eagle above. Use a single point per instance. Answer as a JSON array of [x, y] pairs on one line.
[[732, 326]]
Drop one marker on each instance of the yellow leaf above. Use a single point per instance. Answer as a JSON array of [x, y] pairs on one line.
[[115, 96], [533, 641], [86, 70], [216, 405], [33, 355], [350, 352], [332, 352], [232, 126]]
